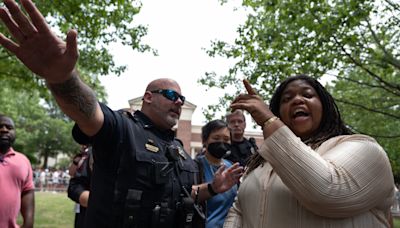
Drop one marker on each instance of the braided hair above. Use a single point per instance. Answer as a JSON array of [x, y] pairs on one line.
[[331, 123]]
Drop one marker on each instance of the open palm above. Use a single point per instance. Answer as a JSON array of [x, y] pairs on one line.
[[36, 45], [225, 179]]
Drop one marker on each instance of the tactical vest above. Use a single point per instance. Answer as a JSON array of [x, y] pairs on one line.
[[241, 152], [153, 181]]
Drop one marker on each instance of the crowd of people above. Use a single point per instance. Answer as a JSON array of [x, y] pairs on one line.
[[54, 180], [310, 171]]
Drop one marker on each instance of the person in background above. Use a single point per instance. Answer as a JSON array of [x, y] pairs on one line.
[[17, 191], [397, 197], [42, 181], [79, 184], [395, 207], [141, 177], [311, 171], [78, 159], [216, 143], [241, 148]]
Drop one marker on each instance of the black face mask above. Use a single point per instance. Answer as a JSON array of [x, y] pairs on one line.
[[218, 149]]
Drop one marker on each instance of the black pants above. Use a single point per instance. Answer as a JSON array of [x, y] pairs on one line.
[[80, 218]]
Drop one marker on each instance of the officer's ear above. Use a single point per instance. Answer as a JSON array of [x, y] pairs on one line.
[[147, 97]]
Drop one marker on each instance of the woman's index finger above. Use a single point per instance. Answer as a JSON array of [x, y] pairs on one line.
[[248, 87]]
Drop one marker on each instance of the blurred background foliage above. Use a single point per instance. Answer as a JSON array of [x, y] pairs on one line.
[[352, 46]]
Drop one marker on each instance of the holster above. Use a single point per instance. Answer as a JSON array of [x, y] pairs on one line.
[[186, 212], [162, 216], [132, 207]]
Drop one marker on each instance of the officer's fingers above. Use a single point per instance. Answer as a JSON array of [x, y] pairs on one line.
[[72, 45], [248, 87], [8, 44]]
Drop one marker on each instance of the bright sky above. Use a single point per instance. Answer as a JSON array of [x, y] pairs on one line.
[[179, 30]]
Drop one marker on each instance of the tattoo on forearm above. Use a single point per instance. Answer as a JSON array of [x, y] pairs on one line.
[[75, 93]]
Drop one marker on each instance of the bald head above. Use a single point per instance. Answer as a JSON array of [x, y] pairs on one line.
[[161, 83]]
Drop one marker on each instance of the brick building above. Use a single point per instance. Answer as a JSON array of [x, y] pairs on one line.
[[188, 133]]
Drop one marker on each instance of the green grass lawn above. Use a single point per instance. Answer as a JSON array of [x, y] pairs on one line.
[[53, 210], [396, 222], [57, 211]]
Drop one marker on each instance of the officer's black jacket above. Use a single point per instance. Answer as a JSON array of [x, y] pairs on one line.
[[241, 151], [125, 151]]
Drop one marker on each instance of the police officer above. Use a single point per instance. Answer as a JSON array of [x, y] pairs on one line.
[[141, 175], [79, 184], [241, 148]]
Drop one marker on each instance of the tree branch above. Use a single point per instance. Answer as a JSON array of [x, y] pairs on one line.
[[375, 76], [363, 83], [357, 63], [373, 135], [391, 60], [368, 109], [395, 6]]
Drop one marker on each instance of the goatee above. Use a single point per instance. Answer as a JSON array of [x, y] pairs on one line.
[[4, 147]]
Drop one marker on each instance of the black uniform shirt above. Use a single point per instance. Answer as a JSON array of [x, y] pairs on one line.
[[240, 152], [107, 154]]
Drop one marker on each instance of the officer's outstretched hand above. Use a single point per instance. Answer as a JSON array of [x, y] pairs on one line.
[[224, 179], [35, 45]]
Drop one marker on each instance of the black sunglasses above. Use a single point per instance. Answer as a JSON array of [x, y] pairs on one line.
[[170, 95]]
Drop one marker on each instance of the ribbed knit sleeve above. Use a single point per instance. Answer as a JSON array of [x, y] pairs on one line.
[[347, 176]]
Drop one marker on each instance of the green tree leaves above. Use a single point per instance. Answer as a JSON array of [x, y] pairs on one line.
[[98, 24], [356, 41], [39, 135], [42, 129]]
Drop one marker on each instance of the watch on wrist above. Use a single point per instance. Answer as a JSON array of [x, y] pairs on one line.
[[211, 190]]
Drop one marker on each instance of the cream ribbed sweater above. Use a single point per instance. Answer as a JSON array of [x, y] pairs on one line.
[[346, 182]]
